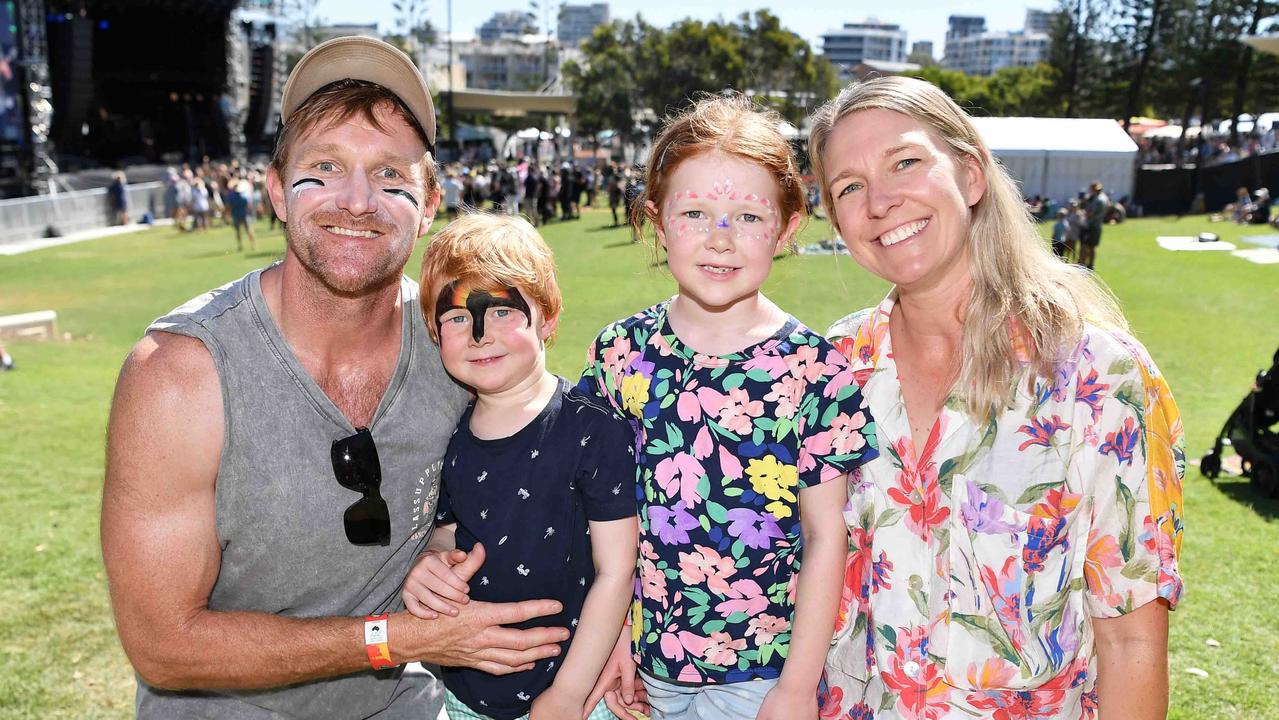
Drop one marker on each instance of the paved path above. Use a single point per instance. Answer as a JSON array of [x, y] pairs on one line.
[[21, 246]]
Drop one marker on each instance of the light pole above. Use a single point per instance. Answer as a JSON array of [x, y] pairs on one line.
[[452, 119]]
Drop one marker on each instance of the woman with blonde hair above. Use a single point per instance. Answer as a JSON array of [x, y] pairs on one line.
[[1013, 549]]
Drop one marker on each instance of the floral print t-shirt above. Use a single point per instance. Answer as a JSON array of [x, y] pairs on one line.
[[724, 445], [974, 571]]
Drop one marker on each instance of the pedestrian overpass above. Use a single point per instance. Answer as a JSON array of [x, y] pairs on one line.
[[511, 104]]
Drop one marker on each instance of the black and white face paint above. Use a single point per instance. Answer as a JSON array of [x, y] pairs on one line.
[[397, 192], [306, 184], [478, 303]]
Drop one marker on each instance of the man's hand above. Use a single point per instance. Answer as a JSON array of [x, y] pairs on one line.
[[438, 581], [476, 638]]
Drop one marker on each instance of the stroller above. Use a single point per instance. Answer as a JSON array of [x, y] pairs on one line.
[[1248, 431]]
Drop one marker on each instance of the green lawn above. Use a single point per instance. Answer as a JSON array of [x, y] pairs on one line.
[[1209, 319]]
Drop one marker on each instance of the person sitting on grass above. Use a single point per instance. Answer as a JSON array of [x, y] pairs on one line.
[[1258, 212], [539, 496]]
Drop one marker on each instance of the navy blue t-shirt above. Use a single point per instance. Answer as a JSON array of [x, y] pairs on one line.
[[528, 499]]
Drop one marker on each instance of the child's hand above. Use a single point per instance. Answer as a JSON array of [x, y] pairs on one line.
[[438, 582], [556, 704], [617, 685], [786, 703]]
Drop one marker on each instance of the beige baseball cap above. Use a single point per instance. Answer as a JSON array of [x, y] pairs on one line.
[[356, 57]]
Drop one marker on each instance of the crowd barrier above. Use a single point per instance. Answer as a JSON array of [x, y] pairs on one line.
[[28, 218], [1170, 190]]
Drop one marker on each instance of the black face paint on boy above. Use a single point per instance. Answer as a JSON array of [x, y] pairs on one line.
[[477, 303]]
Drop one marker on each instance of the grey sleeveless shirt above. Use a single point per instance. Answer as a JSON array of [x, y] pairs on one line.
[[279, 507]]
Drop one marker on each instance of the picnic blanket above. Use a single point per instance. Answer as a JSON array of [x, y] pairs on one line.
[[1261, 256], [1270, 241], [1186, 242]]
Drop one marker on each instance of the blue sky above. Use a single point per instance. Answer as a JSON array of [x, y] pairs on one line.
[[922, 19]]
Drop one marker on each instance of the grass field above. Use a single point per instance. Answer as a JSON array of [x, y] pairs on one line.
[[1210, 320]]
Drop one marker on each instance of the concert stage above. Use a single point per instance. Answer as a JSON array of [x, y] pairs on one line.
[[107, 83]]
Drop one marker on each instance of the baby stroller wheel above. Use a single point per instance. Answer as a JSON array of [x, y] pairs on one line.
[[1210, 465], [1264, 479]]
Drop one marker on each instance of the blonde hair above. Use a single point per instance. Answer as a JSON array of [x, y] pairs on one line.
[[732, 125], [490, 252], [1021, 293]]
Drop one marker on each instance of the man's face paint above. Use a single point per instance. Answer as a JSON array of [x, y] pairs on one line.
[[305, 184], [397, 192], [477, 302]]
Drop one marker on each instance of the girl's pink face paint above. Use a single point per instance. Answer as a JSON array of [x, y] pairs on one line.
[[748, 215]]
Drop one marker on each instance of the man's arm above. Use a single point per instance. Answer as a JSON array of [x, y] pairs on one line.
[[160, 547], [1132, 663]]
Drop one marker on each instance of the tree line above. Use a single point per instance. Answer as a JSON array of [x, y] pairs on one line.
[[1179, 59], [633, 73]]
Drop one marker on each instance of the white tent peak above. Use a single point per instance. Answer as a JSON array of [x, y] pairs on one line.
[[1059, 157], [1057, 135]]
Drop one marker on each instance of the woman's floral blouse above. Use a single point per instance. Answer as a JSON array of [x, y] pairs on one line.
[[976, 563], [725, 445]]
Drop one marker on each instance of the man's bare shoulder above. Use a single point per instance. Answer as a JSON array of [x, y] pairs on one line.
[[169, 397], [168, 362]]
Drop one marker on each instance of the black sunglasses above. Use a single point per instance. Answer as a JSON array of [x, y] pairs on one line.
[[356, 467]]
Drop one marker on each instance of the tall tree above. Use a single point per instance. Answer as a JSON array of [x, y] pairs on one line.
[[693, 57], [1259, 10], [781, 68], [607, 97], [1077, 47], [411, 20], [1147, 19], [304, 16]]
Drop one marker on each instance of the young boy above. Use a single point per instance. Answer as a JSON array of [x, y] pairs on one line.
[[539, 479], [1061, 233]]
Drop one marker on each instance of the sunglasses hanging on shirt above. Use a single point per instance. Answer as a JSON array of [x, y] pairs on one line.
[[356, 467]]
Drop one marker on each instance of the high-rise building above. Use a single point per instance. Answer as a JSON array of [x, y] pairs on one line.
[[959, 27], [984, 53], [577, 22], [511, 23], [868, 40], [509, 63], [921, 52], [1038, 21], [972, 49]]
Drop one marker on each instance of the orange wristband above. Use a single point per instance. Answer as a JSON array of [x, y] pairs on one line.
[[375, 641]]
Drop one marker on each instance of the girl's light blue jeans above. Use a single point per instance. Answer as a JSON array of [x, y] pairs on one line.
[[729, 701]]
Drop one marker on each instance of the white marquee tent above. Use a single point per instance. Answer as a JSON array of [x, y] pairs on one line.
[[1059, 157]]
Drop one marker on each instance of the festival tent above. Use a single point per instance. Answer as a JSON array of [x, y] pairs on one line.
[[1059, 157]]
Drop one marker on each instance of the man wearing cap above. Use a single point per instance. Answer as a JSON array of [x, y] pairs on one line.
[[274, 448], [1095, 209]]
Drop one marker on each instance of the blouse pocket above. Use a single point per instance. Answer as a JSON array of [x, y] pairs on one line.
[[850, 653], [1015, 603]]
